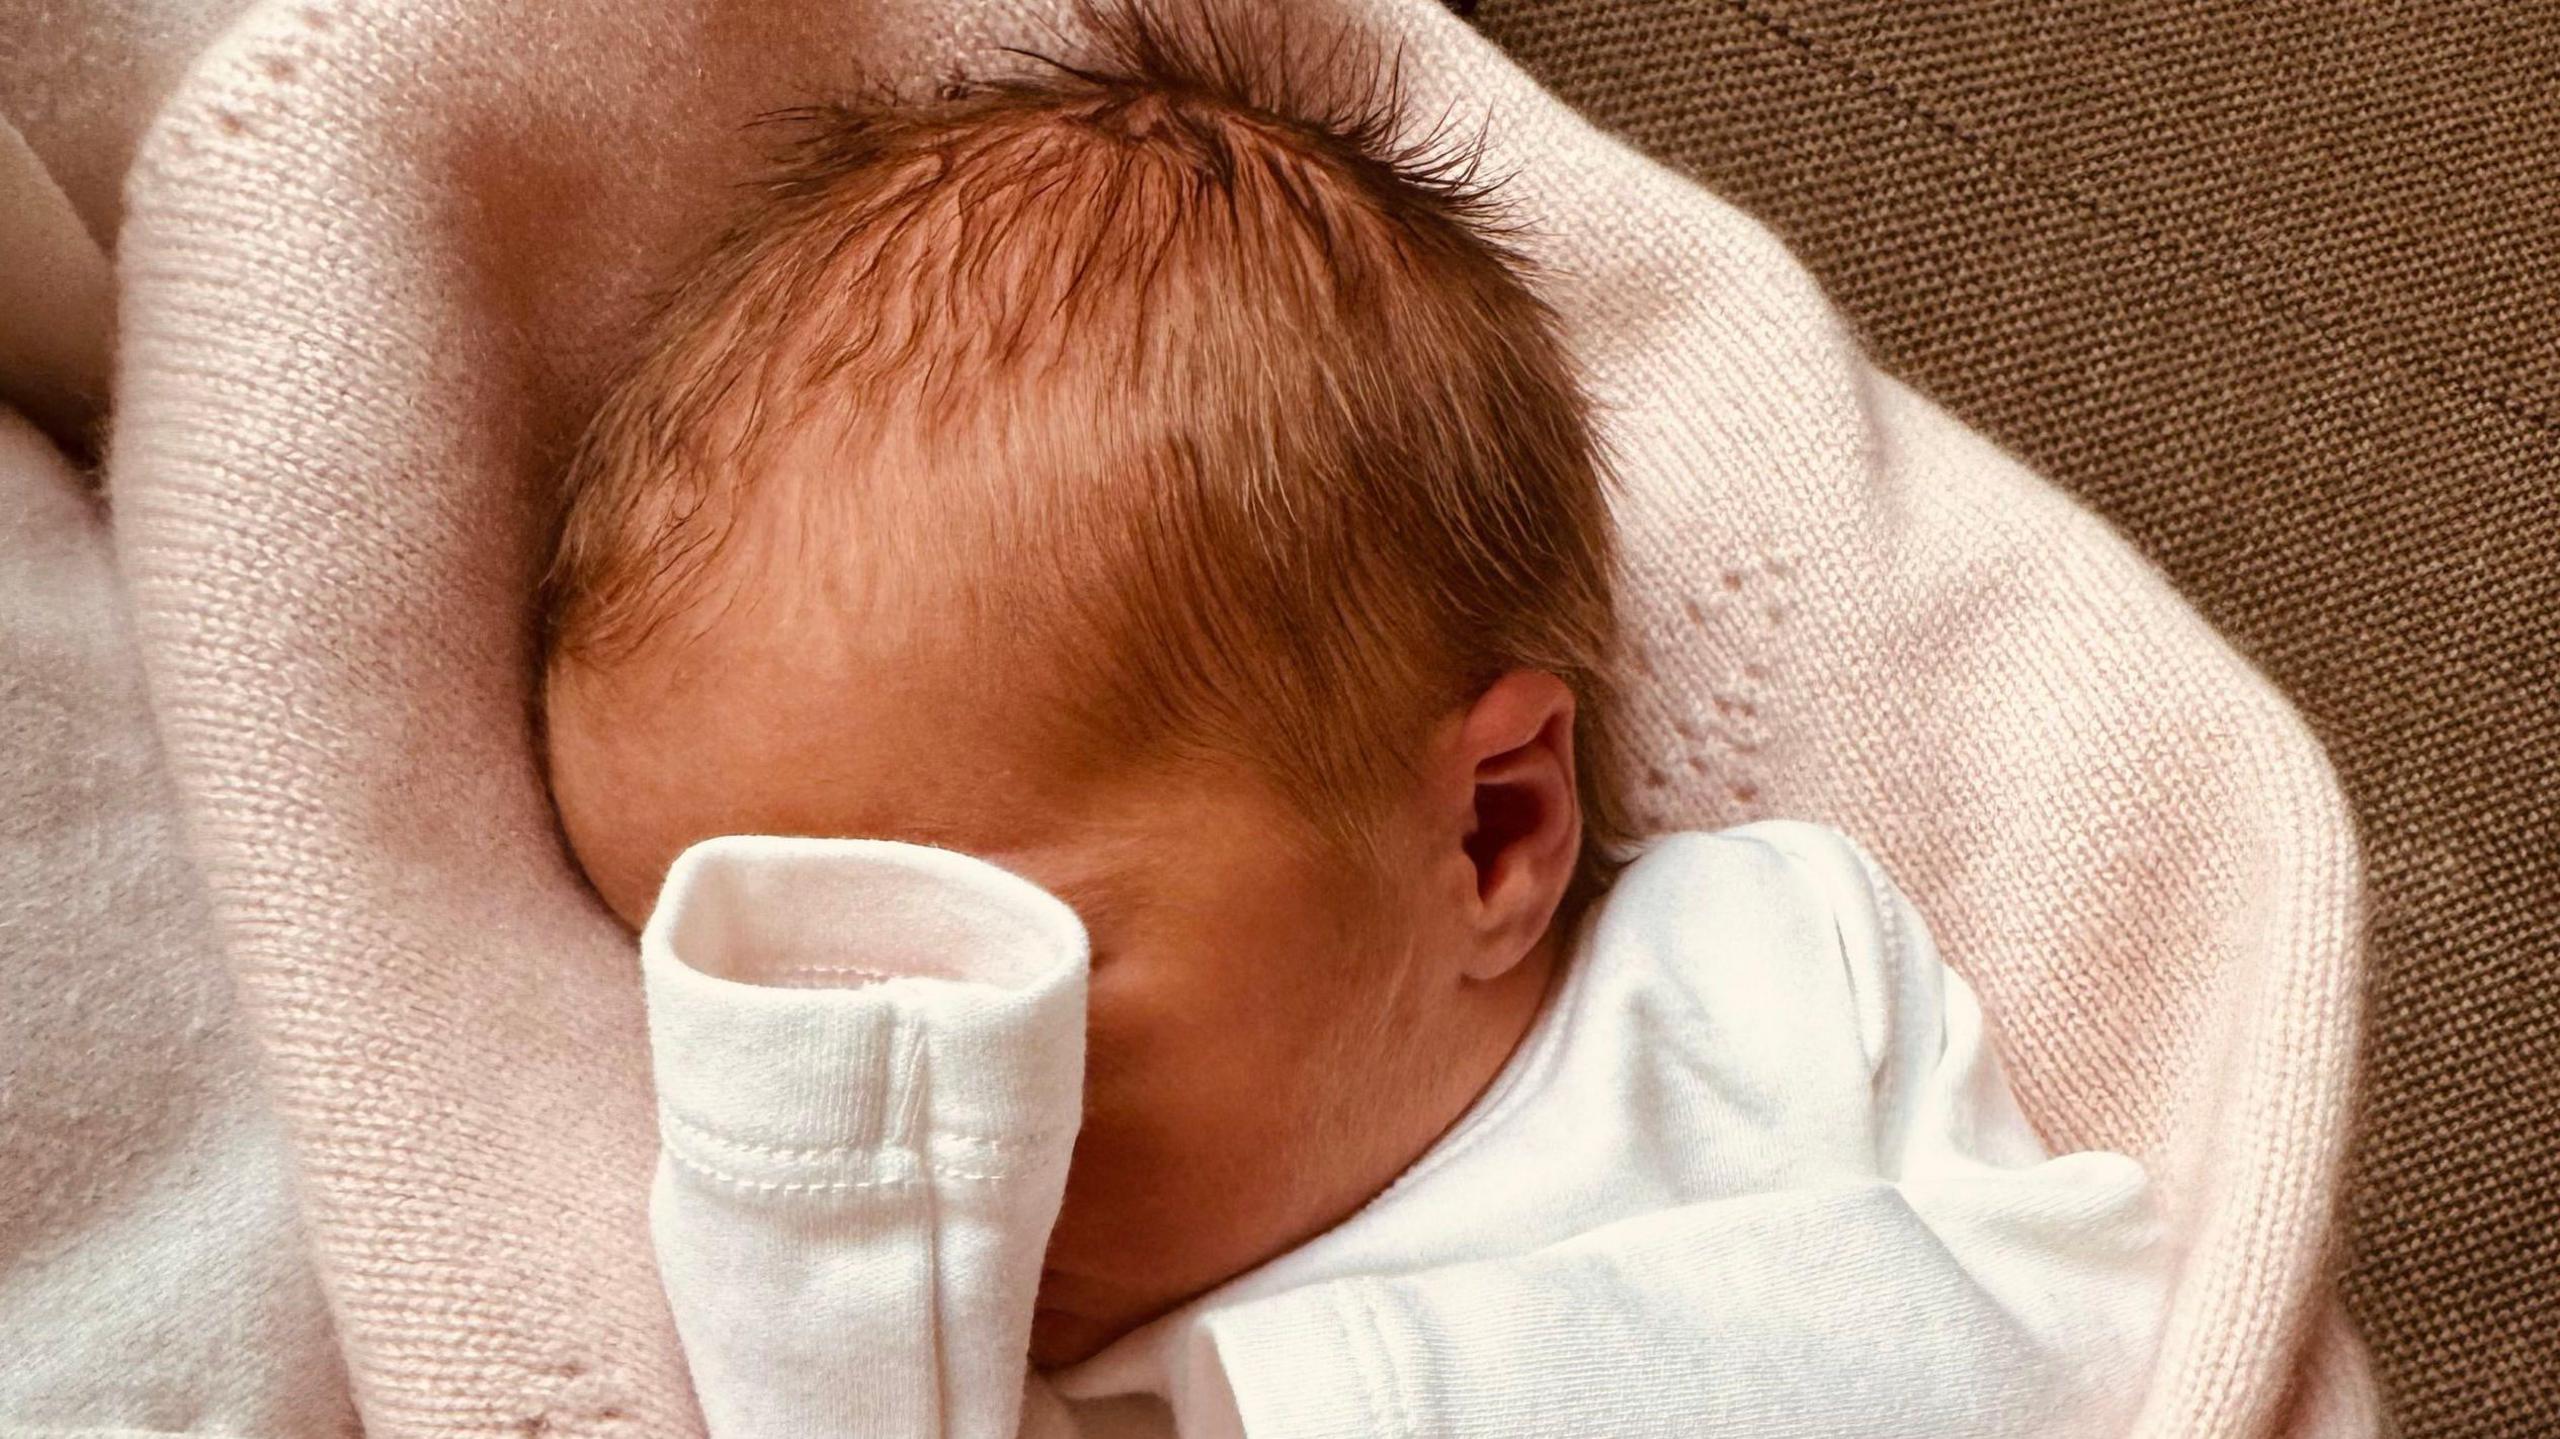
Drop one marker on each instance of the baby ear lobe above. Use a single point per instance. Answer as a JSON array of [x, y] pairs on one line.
[[1525, 829]]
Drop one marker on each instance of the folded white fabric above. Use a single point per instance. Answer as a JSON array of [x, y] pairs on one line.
[[869, 1058], [1754, 1172]]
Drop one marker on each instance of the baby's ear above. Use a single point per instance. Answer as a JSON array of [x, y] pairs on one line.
[[1524, 830]]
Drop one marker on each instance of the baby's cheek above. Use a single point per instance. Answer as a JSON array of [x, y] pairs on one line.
[[1162, 1049], [1195, 1086]]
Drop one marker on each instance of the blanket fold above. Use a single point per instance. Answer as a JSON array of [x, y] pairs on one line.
[[152, 1270], [376, 258]]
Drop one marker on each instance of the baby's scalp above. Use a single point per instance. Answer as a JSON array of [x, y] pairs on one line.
[[1173, 374]]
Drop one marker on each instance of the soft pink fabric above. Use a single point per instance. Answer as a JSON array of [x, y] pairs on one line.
[[375, 255]]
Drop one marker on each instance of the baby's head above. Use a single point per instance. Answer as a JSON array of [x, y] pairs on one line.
[[1149, 478]]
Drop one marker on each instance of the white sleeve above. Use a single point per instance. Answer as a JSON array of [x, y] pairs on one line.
[[1968, 1285], [869, 1058]]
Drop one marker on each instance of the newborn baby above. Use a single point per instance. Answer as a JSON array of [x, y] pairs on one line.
[[1140, 526]]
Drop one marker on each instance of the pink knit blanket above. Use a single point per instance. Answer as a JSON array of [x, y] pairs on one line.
[[376, 253]]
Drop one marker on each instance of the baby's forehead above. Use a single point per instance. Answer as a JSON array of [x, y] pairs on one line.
[[651, 752], [652, 756]]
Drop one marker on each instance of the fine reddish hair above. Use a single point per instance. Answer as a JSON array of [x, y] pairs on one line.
[[1176, 375]]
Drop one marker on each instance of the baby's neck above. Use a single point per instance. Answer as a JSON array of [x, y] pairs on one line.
[[1530, 984], [1508, 1007]]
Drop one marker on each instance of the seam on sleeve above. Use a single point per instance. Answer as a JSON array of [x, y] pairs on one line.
[[1877, 993], [711, 1172], [907, 1044], [1381, 1376], [1893, 949], [825, 976], [912, 1177], [695, 1131]]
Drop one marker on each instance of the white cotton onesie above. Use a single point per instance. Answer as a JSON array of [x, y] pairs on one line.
[[1752, 1172]]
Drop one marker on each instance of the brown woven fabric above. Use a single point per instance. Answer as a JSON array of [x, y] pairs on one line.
[[2276, 288]]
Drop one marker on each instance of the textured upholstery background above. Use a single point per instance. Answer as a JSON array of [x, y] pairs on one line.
[[2275, 288]]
